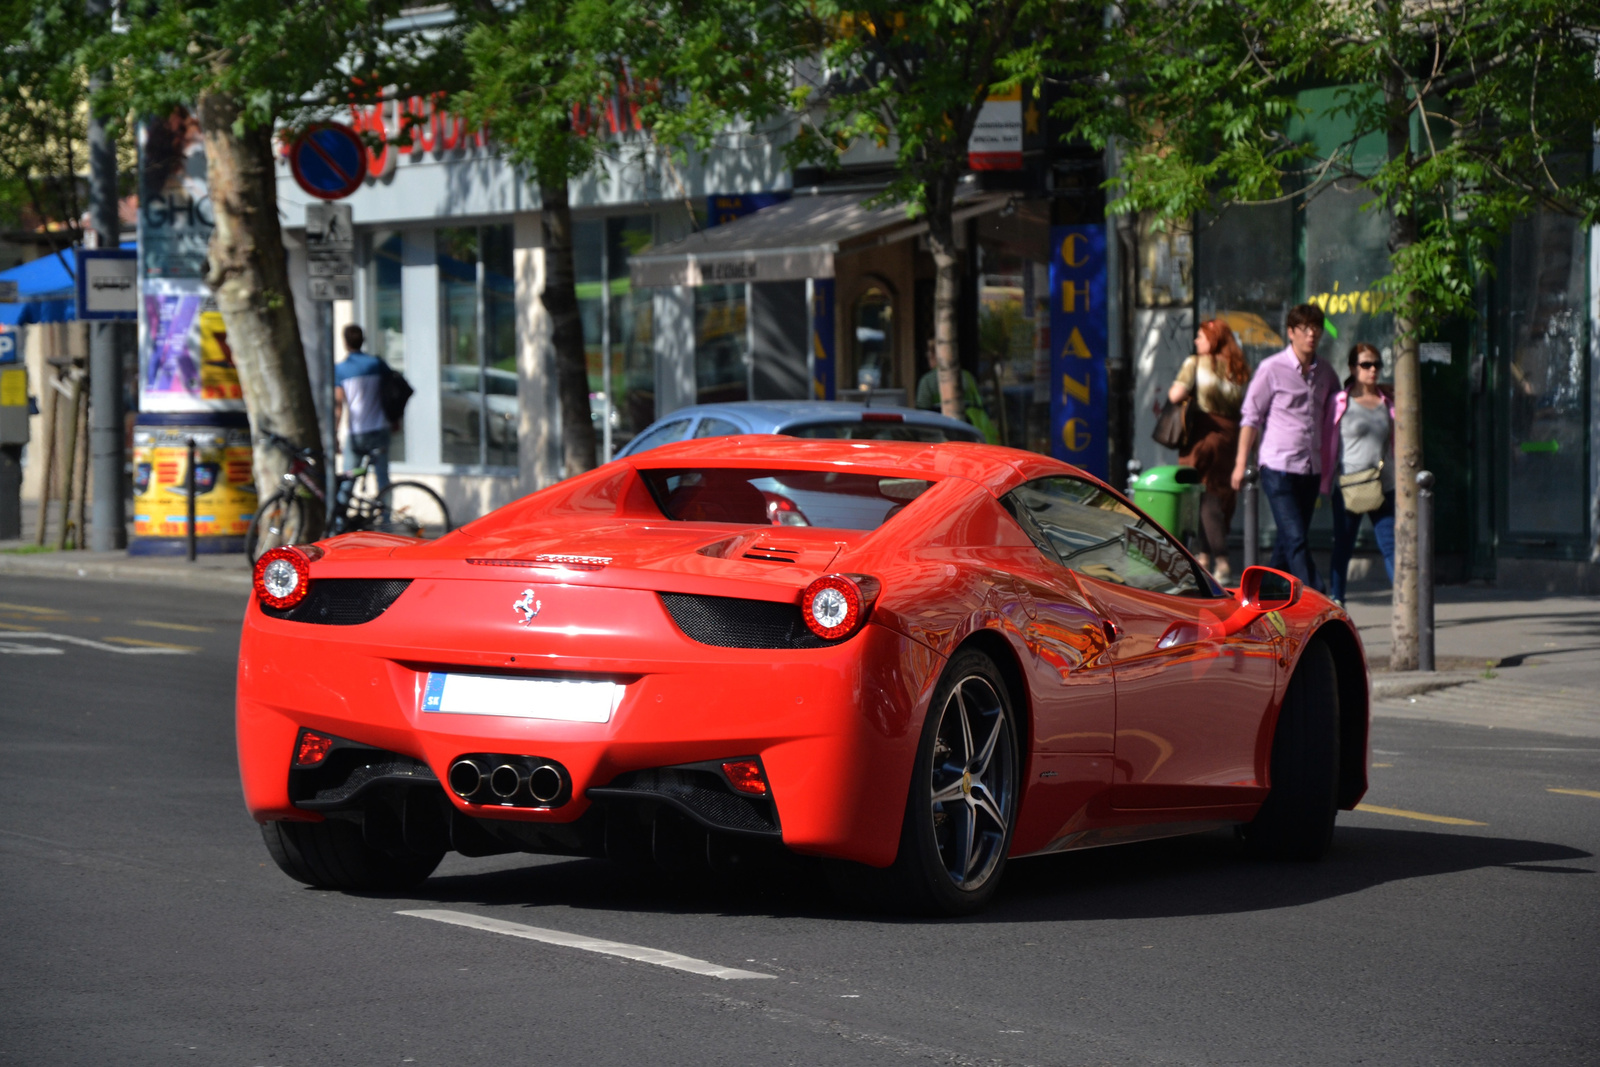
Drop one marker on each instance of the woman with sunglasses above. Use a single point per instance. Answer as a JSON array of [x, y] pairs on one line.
[[1358, 464]]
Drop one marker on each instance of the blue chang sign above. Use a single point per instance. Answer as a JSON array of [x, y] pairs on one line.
[[1079, 335]]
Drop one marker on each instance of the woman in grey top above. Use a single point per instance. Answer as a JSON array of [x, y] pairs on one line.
[[1359, 431]]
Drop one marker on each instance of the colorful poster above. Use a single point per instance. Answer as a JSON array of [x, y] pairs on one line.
[[822, 338], [185, 363], [225, 495], [1079, 336]]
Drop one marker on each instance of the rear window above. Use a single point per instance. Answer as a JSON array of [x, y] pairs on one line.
[[882, 431], [832, 499]]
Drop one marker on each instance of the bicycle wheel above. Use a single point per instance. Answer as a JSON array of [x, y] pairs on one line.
[[282, 519], [410, 509]]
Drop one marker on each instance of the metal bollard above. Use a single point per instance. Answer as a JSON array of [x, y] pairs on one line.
[[1424, 570], [1135, 468], [1252, 516], [190, 492]]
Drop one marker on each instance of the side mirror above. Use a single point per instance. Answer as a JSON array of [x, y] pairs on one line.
[[1261, 589], [1264, 589]]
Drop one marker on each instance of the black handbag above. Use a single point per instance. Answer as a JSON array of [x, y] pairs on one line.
[[1172, 425]]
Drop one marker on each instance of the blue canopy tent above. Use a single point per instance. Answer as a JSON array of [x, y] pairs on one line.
[[46, 290]]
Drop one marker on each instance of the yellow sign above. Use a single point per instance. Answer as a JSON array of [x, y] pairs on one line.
[[13, 388], [225, 493], [219, 378]]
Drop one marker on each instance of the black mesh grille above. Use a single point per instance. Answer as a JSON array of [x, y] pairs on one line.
[[343, 601], [733, 622], [698, 792]]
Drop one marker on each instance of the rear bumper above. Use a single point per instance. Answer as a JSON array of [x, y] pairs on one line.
[[835, 728]]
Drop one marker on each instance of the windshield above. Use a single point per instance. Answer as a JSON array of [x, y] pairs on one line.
[[873, 430], [834, 499]]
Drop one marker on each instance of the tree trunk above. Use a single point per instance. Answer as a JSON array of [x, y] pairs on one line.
[[249, 276], [1407, 407], [560, 299], [946, 289]]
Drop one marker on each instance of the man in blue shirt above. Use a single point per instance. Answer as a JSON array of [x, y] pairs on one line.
[[358, 382]]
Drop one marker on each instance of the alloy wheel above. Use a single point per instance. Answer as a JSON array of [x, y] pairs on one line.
[[973, 789]]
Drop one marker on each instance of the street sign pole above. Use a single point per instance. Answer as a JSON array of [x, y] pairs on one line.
[[108, 529], [330, 260]]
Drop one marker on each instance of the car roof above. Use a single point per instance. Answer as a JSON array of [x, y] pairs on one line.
[[764, 415], [995, 467]]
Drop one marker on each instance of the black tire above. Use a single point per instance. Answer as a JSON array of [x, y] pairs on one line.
[[1296, 821], [281, 519], [411, 509], [953, 850], [333, 855]]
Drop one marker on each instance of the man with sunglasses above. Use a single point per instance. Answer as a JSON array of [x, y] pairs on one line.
[[1284, 412]]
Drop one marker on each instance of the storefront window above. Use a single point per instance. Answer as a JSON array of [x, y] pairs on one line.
[[386, 317], [1347, 251], [872, 327], [721, 344], [1244, 274], [1014, 324], [477, 359], [1543, 383], [616, 325]]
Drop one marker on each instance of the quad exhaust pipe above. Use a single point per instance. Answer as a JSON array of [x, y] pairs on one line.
[[517, 781]]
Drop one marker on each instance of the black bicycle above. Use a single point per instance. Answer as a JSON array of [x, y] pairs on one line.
[[409, 509]]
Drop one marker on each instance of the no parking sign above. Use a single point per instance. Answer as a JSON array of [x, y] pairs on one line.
[[328, 160]]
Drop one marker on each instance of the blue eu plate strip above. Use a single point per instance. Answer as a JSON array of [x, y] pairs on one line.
[[434, 693]]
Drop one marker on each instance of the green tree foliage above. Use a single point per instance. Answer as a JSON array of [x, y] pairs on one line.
[[1486, 109], [44, 91], [914, 76], [565, 86], [247, 68]]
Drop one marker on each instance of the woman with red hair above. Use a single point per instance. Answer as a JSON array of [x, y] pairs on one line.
[[1215, 378]]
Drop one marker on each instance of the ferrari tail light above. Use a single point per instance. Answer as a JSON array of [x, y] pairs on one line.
[[283, 575], [746, 776], [781, 511], [311, 749], [836, 605]]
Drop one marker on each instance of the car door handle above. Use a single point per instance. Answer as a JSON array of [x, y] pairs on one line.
[[1109, 628]]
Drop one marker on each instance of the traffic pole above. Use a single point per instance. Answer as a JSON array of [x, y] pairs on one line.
[[108, 529], [1425, 570], [189, 492], [1252, 517]]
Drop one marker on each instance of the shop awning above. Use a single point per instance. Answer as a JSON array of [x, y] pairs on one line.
[[791, 241]]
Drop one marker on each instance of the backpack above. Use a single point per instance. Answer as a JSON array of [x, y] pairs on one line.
[[393, 393]]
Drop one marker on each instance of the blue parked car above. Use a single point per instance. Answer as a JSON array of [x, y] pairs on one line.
[[831, 419]]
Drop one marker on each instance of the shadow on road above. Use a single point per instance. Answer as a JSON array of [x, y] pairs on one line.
[[1205, 874]]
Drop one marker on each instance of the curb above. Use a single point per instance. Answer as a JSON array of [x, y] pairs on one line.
[[1415, 683], [182, 574]]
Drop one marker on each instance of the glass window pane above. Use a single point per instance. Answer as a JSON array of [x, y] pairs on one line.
[[500, 345], [712, 427], [873, 335], [1244, 273], [1347, 250], [460, 401], [633, 376], [781, 497], [1089, 530], [386, 318], [665, 434], [1544, 383], [1013, 325], [721, 344]]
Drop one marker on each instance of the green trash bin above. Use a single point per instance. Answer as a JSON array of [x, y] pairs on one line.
[[1171, 496]]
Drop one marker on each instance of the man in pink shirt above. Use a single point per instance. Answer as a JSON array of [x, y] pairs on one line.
[[1285, 410]]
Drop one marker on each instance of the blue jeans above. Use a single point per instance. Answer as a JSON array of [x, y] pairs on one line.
[[375, 442], [1292, 497], [1346, 524]]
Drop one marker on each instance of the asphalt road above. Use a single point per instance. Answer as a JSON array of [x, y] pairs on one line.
[[141, 920]]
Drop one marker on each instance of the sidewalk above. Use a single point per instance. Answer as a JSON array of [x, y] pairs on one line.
[[1506, 659]]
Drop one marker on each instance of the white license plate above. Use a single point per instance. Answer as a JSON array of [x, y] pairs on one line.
[[520, 698]]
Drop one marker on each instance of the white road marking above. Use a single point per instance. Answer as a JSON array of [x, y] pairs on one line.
[[9, 649], [41, 635], [588, 944]]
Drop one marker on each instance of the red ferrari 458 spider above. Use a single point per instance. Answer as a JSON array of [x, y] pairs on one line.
[[922, 659]]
